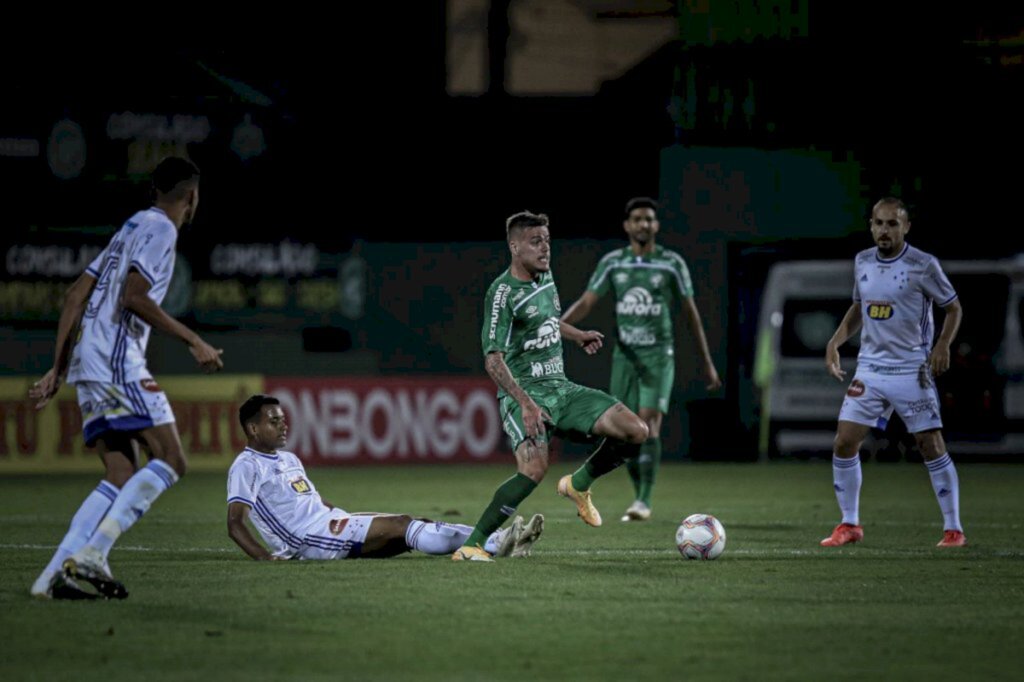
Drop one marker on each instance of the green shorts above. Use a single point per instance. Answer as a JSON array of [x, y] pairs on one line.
[[643, 378], [574, 409]]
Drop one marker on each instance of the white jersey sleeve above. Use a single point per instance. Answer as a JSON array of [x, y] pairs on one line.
[[112, 345], [153, 254], [243, 482], [96, 265], [936, 285]]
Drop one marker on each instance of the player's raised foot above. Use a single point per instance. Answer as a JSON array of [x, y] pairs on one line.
[[586, 509], [505, 540], [467, 553], [66, 589], [638, 511], [88, 565], [844, 534], [952, 538], [56, 586], [529, 535]]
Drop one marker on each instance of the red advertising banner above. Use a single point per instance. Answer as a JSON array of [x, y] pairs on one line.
[[376, 420]]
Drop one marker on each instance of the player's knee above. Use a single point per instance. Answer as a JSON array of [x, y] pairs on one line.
[[120, 475], [845, 446], [653, 426], [400, 524], [930, 444], [535, 469], [637, 431], [179, 463]]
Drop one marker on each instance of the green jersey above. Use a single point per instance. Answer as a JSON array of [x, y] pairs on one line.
[[521, 321], [647, 290]]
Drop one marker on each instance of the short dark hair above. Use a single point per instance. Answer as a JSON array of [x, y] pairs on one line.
[[524, 219], [173, 171], [250, 409], [640, 202]]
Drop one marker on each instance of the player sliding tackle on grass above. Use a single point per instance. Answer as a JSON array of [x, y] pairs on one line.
[[270, 488], [522, 344]]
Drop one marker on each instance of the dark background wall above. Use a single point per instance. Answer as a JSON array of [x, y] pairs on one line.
[[766, 129]]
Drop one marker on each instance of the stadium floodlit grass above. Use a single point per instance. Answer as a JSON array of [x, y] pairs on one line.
[[613, 603]]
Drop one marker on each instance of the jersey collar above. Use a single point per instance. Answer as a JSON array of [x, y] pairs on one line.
[[892, 260]]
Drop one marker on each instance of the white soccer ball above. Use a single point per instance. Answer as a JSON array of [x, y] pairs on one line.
[[700, 536]]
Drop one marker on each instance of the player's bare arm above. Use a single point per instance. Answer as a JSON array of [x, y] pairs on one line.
[[581, 308], [589, 341], [939, 358], [700, 338], [238, 512], [849, 326], [136, 299], [533, 415], [75, 302]]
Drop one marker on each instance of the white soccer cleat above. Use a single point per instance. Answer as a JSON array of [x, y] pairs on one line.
[[529, 535], [638, 511], [89, 565], [505, 539]]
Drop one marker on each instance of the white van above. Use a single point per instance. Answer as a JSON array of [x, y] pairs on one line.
[[982, 395]]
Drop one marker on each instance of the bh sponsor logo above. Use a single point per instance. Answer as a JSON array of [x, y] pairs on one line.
[[879, 310]]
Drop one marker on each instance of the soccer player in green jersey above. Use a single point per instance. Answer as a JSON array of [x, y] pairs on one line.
[[650, 284], [522, 343]]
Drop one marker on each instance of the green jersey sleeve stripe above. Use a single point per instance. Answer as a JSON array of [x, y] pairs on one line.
[[537, 291]]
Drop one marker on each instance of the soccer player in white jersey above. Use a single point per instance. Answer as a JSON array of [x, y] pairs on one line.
[[894, 288], [270, 488], [111, 308]]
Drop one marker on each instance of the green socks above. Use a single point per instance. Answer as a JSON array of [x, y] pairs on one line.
[[506, 498], [647, 468], [608, 456]]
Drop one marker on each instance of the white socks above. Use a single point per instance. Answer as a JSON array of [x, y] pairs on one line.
[[135, 498], [436, 537], [846, 480], [83, 523], [947, 490]]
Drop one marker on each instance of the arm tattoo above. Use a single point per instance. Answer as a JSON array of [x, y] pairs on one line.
[[496, 367]]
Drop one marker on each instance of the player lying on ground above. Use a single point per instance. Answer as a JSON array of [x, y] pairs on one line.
[[270, 488]]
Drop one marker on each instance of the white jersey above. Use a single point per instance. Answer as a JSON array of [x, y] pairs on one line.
[[896, 297], [112, 345], [285, 505]]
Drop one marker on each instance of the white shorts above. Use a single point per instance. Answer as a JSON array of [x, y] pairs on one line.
[[872, 398], [121, 407], [341, 537]]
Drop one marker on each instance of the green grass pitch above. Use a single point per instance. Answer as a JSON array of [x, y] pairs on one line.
[[611, 603]]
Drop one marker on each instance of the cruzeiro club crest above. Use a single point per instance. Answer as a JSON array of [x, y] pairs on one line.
[[638, 301]]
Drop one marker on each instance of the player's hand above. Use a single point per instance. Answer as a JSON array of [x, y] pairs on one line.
[[590, 341], [533, 419], [832, 363], [44, 389], [714, 382], [939, 359], [207, 356]]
